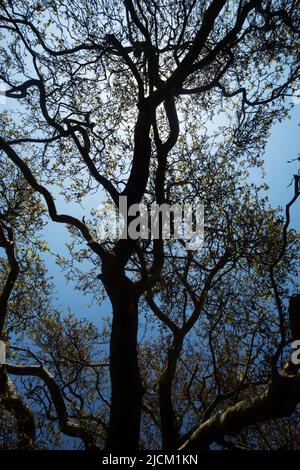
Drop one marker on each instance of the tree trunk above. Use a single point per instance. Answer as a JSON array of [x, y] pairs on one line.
[[126, 385]]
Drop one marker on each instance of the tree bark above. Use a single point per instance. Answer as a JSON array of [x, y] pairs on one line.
[[278, 400], [169, 425], [126, 385]]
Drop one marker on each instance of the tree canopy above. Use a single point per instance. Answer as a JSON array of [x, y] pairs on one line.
[[165, 103]]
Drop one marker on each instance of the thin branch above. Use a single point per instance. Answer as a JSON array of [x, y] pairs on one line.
[[159, 313], [60, 218], [66, 426]]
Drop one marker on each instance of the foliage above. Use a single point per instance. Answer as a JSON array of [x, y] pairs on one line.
[[163, 102]]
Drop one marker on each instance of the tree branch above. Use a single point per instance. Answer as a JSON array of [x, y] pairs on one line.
[[8, 245], [60, 218], [26, 431], [66, 426], [278, 400], [184, 68]]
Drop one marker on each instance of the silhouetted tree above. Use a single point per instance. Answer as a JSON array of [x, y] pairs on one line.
[[161, 102]]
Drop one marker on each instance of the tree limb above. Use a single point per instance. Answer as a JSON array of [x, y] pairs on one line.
[[66, 426], [278, 400], [60, 218]]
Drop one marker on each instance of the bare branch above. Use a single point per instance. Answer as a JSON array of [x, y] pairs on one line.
[[66, 426]]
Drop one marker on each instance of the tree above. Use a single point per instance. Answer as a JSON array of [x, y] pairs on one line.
[[165, 102]]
